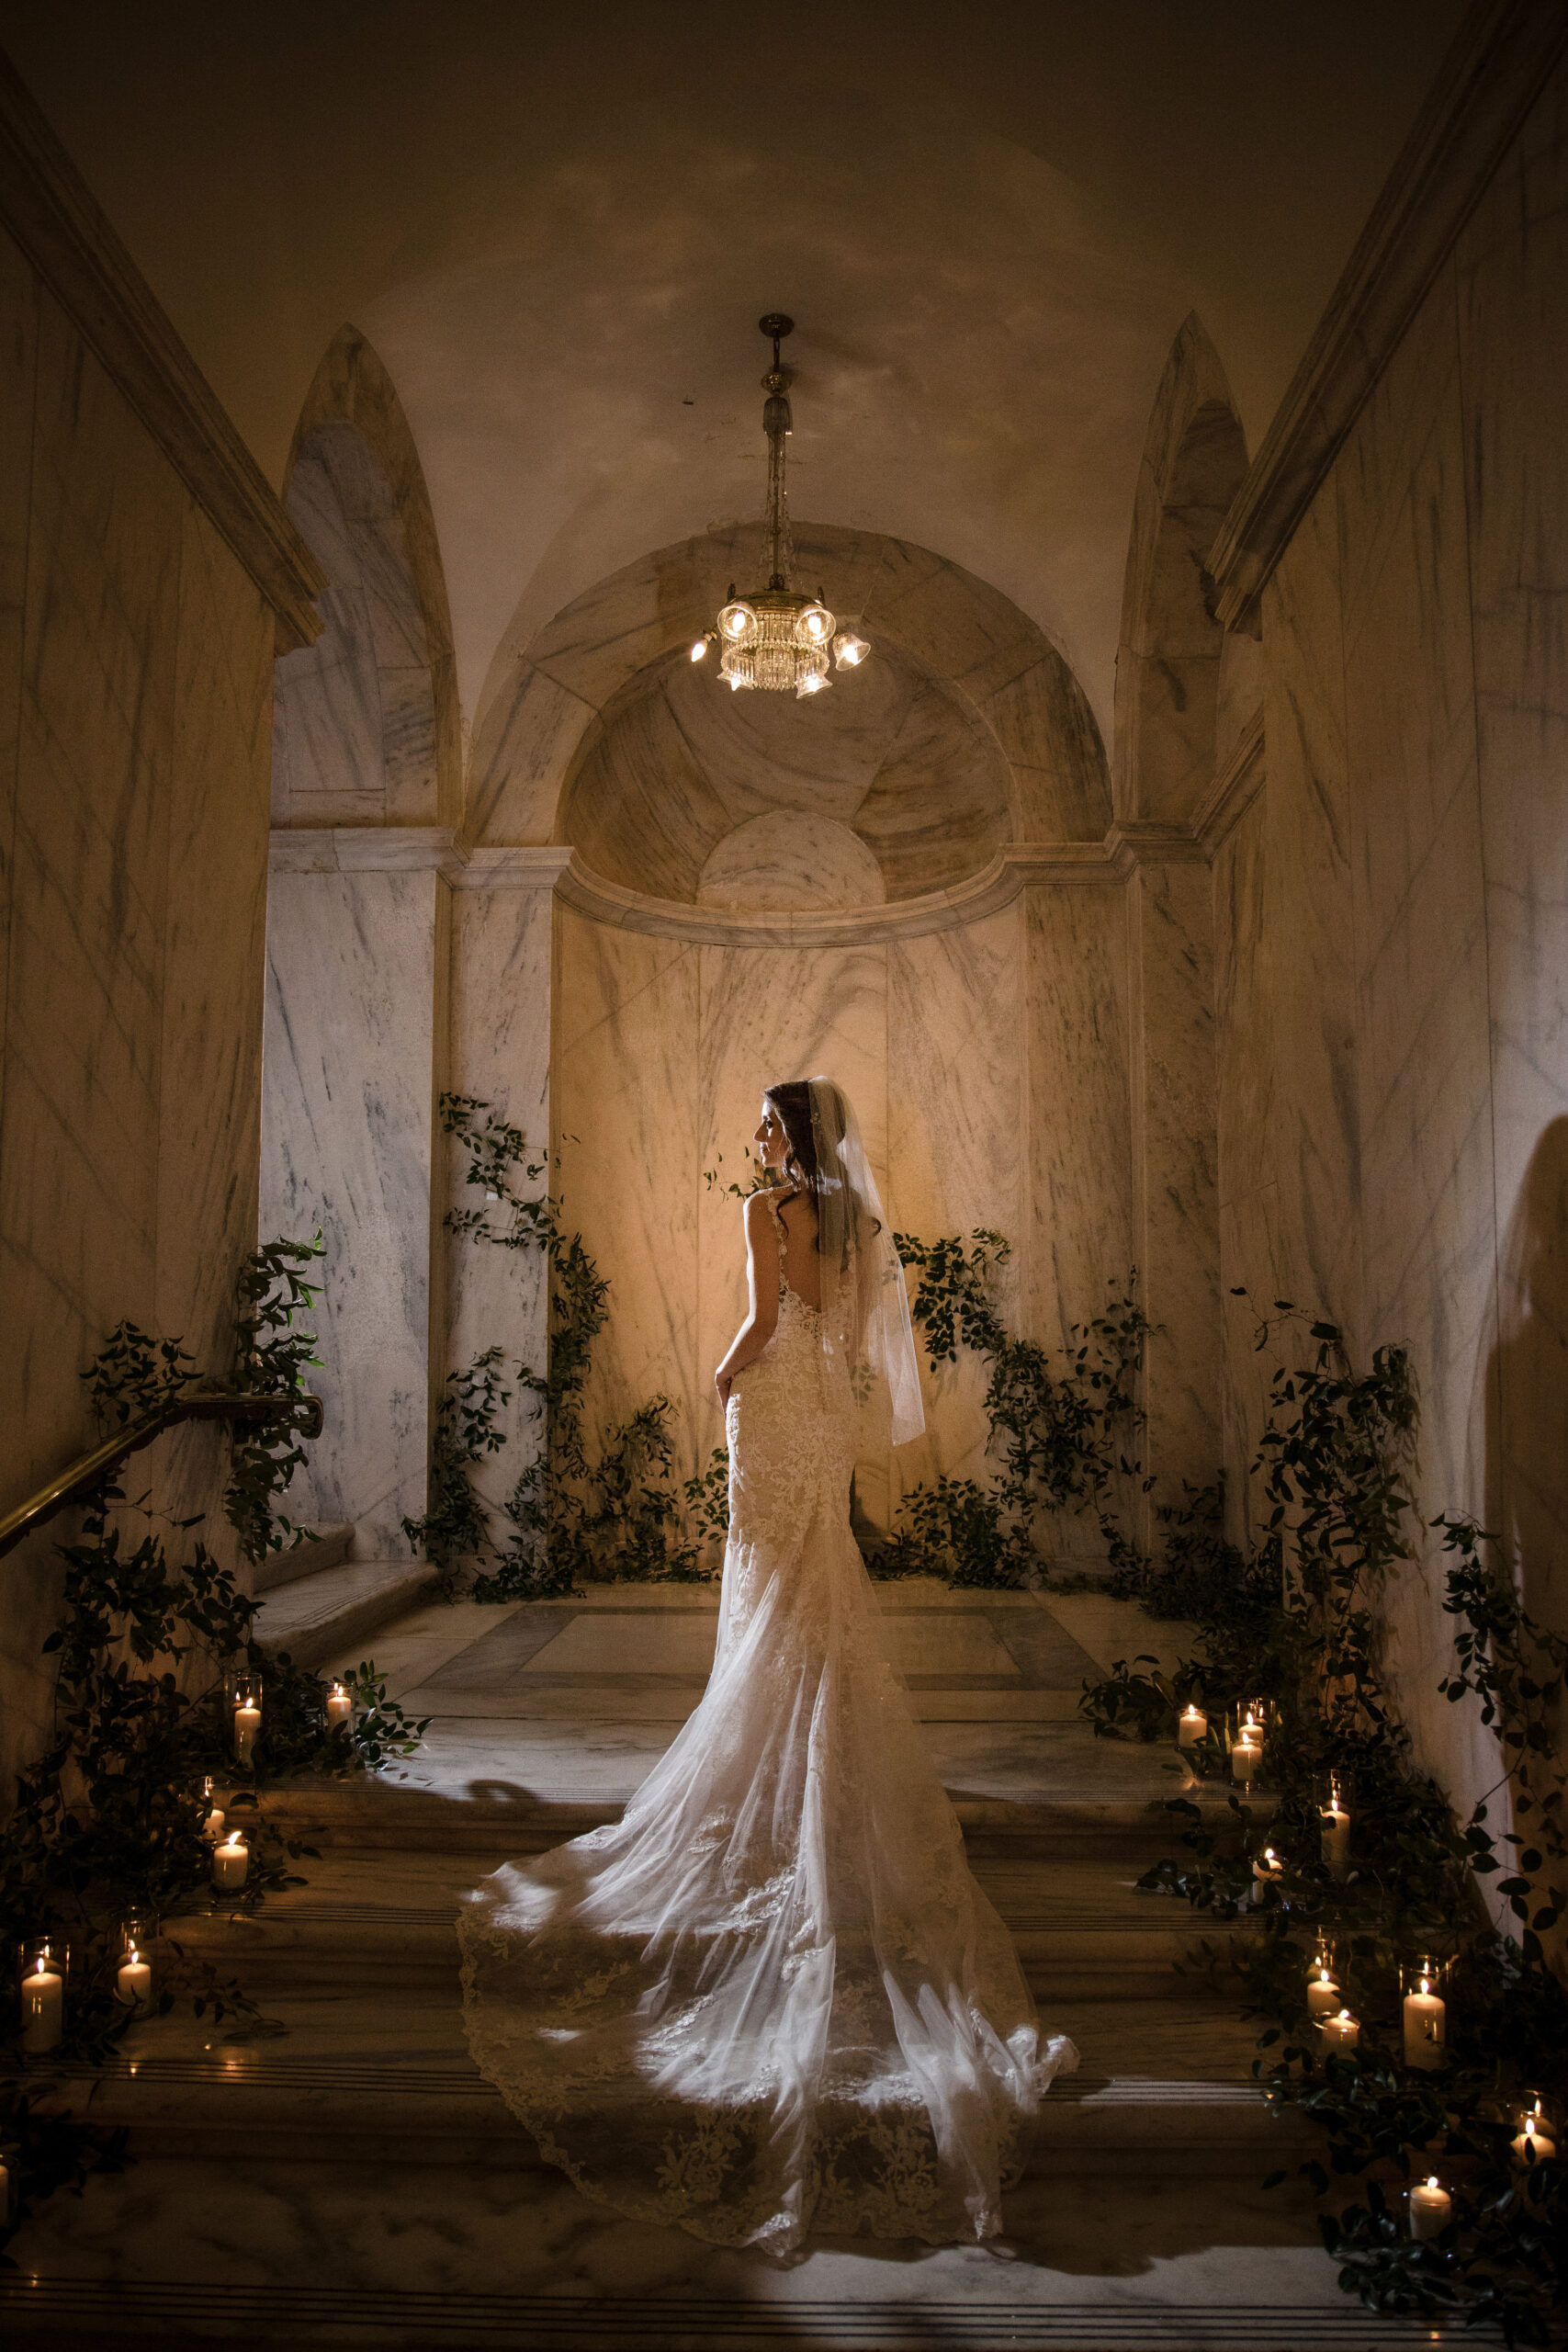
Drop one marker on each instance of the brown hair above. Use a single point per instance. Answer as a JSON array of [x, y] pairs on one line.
[[792, 1100]]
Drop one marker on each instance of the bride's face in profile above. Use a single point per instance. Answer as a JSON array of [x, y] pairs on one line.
[[770, 1142]]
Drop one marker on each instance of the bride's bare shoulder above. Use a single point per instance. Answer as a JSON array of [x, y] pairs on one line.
[[757, 1212]]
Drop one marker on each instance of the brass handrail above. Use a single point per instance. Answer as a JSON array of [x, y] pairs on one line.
[[91, 1469]]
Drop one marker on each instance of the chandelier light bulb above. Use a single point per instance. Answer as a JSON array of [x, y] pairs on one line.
[[699, 651], [850, 651]]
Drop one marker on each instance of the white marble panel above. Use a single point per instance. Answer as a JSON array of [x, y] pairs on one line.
[[328, 696], [626, 1115], [791, 858], [956, 1141], [524, 742], [1175, 1177], [501, 962], [353, 1054], [1512, 266], [1308, 928]]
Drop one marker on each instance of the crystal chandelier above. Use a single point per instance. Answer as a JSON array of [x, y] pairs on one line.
[[776, 638]]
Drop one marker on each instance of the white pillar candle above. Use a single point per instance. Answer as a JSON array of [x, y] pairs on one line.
[[1246, 1756], [1431, 2208], [1194, 1727], [1342, 2032], [134, 1981], [1425, 2028], [1267, 1871], [340, 1706], [1534, 2141], [231, 1863], [1335, 1838], [43, 2011], [247, 1722], [1323, 1996]]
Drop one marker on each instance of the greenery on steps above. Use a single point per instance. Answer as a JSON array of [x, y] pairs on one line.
[[1297, 1621], [108, 1820]]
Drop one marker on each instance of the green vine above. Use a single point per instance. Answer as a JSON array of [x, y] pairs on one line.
[[108, 1821], [1297, 1620], [1062, 1438], [575, 1510]]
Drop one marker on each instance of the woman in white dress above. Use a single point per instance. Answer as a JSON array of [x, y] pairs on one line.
[[772, 2000]]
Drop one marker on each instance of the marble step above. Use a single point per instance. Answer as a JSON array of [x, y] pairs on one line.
[[316, 1618], [328, 1547], [419, 2258], [1083, 1929], [501, 1819]]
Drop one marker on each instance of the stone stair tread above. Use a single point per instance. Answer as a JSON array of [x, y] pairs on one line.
[[315, 1616], [323, 1548]]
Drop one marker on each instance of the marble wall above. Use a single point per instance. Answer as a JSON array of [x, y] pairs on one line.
[[135, 662], [1394, 1050], [356, 1055]]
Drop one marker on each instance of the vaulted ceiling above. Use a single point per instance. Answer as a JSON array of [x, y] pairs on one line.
[[558, 227]]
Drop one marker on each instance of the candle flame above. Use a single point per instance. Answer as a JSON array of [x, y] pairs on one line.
[[1431, 2180]]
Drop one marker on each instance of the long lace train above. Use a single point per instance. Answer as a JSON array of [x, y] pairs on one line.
[[771, 1999]]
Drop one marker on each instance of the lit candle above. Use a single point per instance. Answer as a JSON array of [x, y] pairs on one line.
[[1323, 1994], [1267, 1871], [1431, 2208], [340, 1706], [1425, 2027], [1534, 2143], [1341, 2033], [43, 2009], [134, 1980], [1246, 1753], [247, 1722], [231, 1861], [1336, 1821], [1194, 1727]]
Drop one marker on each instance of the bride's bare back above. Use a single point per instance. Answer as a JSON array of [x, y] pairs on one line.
[[799, 1259]]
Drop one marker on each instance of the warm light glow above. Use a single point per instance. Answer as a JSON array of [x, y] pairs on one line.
[[849, 650], [812, 684], [699, 651], [1431, 2180]]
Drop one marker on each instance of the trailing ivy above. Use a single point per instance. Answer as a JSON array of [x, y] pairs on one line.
[[272, 1354], [1063, 1438], [1297, 1620], [576, 1509], [110, 1819]]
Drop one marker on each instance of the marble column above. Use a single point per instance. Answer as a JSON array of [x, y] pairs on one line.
[[354, 1054]]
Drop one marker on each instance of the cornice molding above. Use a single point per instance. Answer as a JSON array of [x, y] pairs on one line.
[[365, 849], [49, 210], [1144, 841], [1234, 788], [1491, 77]]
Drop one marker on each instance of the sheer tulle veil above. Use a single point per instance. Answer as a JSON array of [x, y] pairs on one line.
[[867, 1329]]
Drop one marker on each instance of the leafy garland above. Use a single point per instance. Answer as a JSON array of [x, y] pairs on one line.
[[571, 1513], [1062, 1438], [1296, 1620], [108, 1821]]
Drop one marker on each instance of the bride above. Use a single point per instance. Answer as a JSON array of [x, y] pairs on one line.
[[773, 1999]]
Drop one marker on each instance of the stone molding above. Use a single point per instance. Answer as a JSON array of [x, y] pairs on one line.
[[1234, 788], [1491, 77], [420, 848], [48, 211]]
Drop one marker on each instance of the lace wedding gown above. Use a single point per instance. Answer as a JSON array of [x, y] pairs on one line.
[[773, 1999]]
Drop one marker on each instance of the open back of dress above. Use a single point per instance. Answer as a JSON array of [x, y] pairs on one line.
[[771, 1999]]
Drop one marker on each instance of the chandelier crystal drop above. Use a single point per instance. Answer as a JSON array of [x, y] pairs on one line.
[[776, 638]]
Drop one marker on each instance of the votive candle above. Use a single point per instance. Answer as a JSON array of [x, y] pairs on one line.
[[1431, 2208], [231, 1863], [247, 1724], [1341, 2033], [1425, 2027], [1323, 1994], [1336, 1820], [1194, 1727], [1246, 1756], [43, 2009], [1534, 2142], [340, 1706], [133, 1980], [1267, 1871]]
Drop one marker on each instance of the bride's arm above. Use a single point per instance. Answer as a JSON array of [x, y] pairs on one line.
[[763, 1278]]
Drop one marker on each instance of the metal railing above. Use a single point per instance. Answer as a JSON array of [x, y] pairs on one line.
[[90, 1470]]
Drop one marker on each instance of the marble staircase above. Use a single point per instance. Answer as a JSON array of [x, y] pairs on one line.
[[318, 1601], [344, 2175]]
